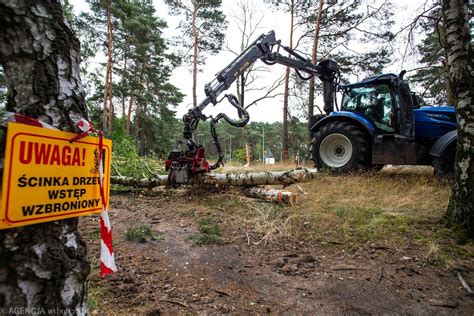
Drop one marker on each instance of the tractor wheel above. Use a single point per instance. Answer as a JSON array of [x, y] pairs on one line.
[[340, 146], [444, 165]]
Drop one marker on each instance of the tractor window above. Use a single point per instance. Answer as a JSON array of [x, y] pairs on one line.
[[373, 101]]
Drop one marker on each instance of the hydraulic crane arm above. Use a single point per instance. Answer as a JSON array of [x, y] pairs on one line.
[[183, 163], [267, 49]]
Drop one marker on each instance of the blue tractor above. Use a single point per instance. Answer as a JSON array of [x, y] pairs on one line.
[[382, 122]]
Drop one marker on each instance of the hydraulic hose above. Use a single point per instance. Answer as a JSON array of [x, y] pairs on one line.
[[244, 119]]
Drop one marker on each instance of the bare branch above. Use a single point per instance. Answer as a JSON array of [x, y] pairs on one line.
[[413, 24], [274, 86]]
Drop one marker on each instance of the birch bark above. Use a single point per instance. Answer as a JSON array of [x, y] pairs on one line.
[[44, 265]]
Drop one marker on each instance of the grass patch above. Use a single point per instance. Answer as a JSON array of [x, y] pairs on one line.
[[225, 202], [189, 213], [95, 295], [231, 203], [209, 233], [95, 233], [142, 234], [398, 207], [360, 224]]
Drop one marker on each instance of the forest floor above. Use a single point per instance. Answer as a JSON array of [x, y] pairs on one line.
[[356, 244]]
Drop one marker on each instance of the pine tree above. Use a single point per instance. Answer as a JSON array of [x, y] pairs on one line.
[[433, 75], [294, 8], [141, 69], [203, 29], [314, 59], [343, 24]]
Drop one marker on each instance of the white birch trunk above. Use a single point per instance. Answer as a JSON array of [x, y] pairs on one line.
[[241, 179], [272, 195], [460, 53], [42, 266]]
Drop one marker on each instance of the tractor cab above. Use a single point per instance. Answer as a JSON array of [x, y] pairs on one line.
[[388, 104], [375, 101]]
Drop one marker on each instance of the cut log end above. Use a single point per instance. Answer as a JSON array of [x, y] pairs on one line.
[[272, 195]]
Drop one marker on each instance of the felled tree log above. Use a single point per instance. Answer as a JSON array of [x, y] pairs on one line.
[[260, 178], [234, 179], [139, 183], [272, 195]]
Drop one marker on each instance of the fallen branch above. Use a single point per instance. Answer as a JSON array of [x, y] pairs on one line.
[[464, 284], [175, 302], [237, 179], [381, 276], [347, 268]]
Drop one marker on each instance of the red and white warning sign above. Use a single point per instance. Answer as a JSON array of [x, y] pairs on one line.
[[47, 178]]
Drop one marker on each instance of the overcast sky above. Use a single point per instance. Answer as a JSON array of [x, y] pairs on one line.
[[269, 110]]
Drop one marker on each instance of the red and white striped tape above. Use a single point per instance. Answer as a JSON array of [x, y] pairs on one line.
[[107, 260], [18, 118]]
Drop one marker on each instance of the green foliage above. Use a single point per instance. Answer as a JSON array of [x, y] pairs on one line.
[[68, 11], [126, 161], [239, 155], [344, 27], [142, 66], [341, 212], [360, 223], [254, 134], [432, 76], [141, 233], [210, 23], [95, 295], [209, 233], [189, 213], [137, 167]]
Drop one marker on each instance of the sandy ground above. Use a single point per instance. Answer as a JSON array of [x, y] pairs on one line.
[[243, 275]]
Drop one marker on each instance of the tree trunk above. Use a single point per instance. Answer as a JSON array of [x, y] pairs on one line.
[[43, 265], [314, 59], [109, 108], [104, 108], [195, 56], [287, 90], [451, 100], [106, 111], [460, 211], [142, 130], [111, 105], [272, 195], [129, 114], [248, 154], [124, 75], [238, 179]]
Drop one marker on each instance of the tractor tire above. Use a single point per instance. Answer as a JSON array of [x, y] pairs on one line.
[[444, 165], [340, 147]]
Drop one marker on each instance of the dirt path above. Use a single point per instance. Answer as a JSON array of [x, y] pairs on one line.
[[241, 275]]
